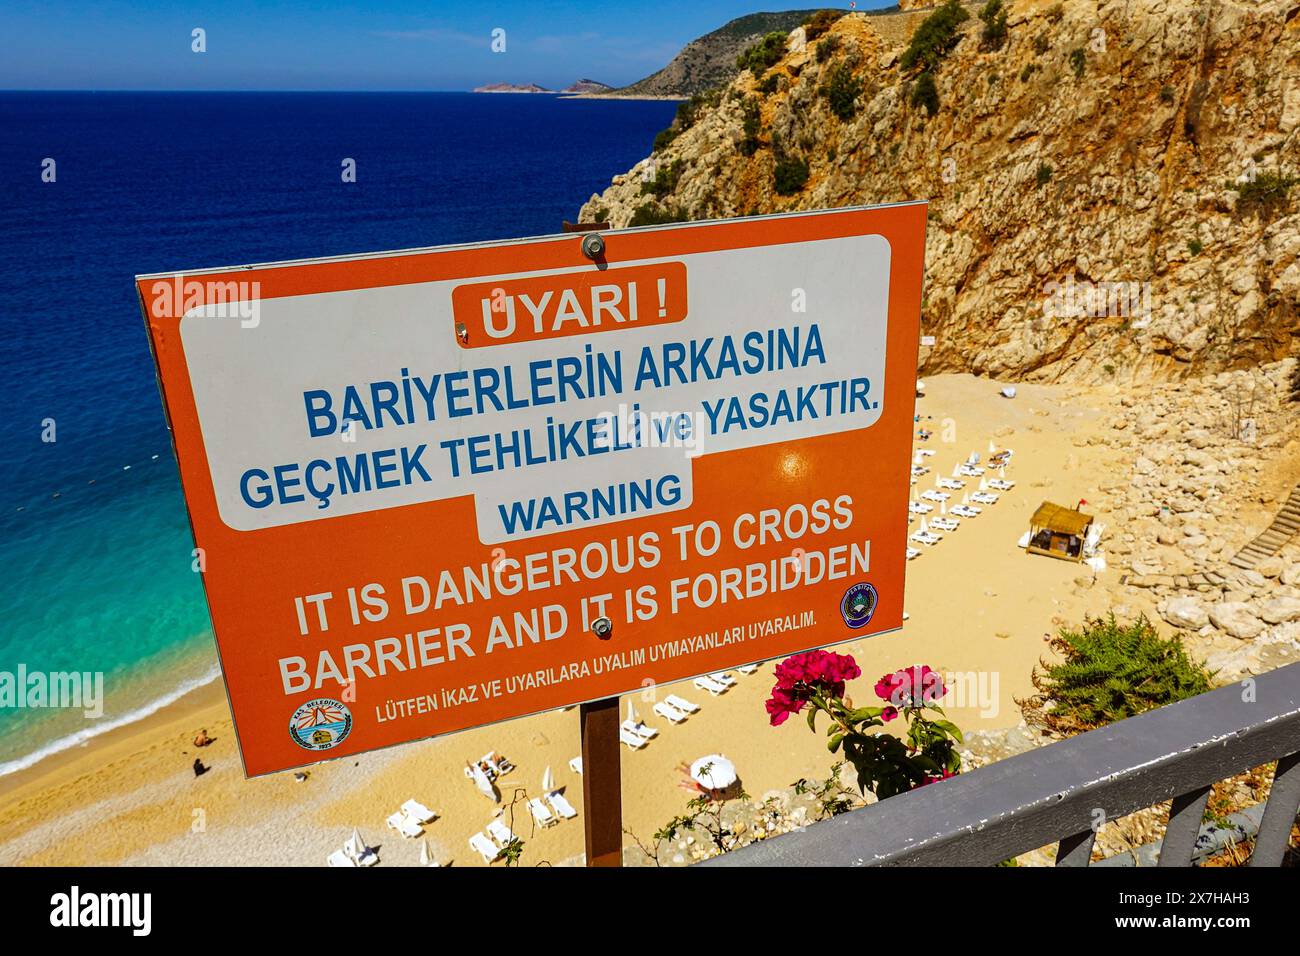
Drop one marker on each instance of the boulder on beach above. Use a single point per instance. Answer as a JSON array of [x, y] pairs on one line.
[[1236, 618], [1185, 612]]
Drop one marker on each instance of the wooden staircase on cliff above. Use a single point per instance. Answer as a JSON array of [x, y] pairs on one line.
[[1285, 526]]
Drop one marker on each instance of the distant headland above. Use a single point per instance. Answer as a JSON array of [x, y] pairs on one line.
[[581, 86]]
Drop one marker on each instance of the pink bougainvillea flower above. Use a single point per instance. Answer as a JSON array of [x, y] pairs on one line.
[[888, 714], [799, 677], [911, 687], [889, 685], [781, 705]]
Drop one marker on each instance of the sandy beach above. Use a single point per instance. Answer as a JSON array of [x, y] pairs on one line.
[[977, 606]]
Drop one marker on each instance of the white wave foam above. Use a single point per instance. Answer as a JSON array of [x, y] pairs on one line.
[[80, 737]]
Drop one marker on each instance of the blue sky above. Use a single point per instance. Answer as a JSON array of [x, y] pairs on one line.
[[286, 45]]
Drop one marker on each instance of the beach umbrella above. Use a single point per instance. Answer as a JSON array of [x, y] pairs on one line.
[[992, 447], [548, 780], [631, 711], [424, 854], [943, 507], [923, 524], [714, 772], [482, 782], [965, 498], [956, 470], [1002, 471], [983, 485]]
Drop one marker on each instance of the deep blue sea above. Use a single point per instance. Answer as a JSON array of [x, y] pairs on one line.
[[95, 548]]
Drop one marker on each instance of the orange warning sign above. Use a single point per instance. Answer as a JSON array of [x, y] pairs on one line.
[[439, 488]]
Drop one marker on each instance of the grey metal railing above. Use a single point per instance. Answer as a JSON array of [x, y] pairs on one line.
[[1063, 791]]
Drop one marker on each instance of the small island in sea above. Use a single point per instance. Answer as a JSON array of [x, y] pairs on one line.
[[512, 88]]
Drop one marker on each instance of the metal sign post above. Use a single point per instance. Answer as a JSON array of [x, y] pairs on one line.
[[602, 787]]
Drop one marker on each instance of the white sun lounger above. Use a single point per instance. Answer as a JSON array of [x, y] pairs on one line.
[[919, 470], [965, 511], [926, 538], [725, 679], [418, 812], [984, 498], [925, 452], [486, 848], [669, 712], [640, 729], [951, 483], [709, 684], [913, 553], [541, 813], [935, 496], [339, 858], [748, 668], [682, 704], [945, 524], [501, 833], [919, 508], [970, 471], [561, 805], [404, 825], [576, 765], [361, 854], [1001, 484], [631, 739]]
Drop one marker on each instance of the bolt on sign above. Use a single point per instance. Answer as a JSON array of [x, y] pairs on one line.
[[444, 487]]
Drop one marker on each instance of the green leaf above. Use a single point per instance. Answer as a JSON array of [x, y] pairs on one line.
[[812, 719], [949, 728], [866, 713], [834, 743]]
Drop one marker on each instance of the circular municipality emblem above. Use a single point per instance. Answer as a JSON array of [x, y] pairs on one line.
[[859, 604], [320, 724]]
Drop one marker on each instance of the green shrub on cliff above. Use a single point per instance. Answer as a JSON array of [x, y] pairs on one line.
[[828, 47], [994, 16], [651, 214], [841, 90], [1264, 195], [935, 37], [819, 22], [926, 93], [664, 181], [790, 175], [751, 124], [1078, 60], [763, 54], [1109, 671]]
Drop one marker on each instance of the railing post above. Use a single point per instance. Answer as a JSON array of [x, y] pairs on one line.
[[1279, 814], [1184, 826], [1076, 850]]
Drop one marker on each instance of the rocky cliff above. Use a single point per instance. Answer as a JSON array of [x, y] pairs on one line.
[[710, 60], [1112, 185]]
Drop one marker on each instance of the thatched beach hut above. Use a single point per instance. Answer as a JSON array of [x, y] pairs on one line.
[[1058, 532]]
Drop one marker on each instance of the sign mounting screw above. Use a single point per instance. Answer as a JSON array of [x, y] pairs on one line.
[[602, 627], [462, 333], [593, 246]]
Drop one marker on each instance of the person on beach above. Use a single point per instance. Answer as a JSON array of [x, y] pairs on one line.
[[202, 739], [199, 769]]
